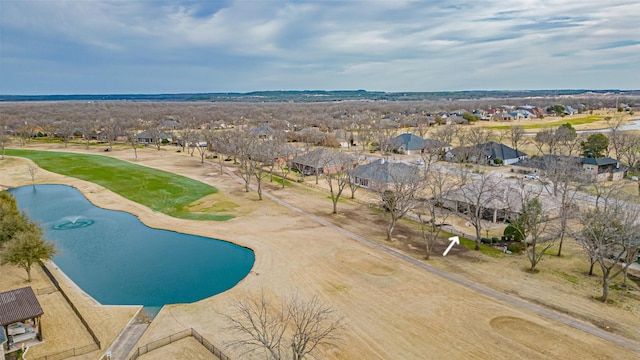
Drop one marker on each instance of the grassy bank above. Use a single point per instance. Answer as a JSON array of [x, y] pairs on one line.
[[159, 190]]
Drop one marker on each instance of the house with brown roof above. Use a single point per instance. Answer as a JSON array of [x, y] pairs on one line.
[[20, 314]]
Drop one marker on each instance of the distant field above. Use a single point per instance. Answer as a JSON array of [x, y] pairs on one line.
[[542, 125], [159, 190]]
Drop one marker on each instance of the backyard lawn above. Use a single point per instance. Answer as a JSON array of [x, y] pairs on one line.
[[159, 190]]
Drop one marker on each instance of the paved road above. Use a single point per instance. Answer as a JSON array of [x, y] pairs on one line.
[[126, 341], [500, 296]]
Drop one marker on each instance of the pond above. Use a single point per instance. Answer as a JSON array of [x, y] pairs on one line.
[[118, 260], [634, 125]]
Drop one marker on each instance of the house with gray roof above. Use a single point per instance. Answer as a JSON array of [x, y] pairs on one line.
[[406, 144], [604, 169], [321, 161], [597, 169], [381, 174], [486, 153], [499, 200], [146, 137], [411, 144]]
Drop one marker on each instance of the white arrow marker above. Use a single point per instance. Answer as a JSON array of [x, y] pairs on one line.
[[454, 240]]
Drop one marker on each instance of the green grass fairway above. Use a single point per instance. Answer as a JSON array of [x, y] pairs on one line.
[[161, 191], [573, 122]]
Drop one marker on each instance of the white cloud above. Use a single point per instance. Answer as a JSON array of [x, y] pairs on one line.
[[378, 45]]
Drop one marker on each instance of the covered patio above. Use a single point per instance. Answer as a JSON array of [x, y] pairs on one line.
[[20, 314]]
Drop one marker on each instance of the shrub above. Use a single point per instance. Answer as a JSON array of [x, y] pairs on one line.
[[516, 247], [495, 240], [498, 161], [513, 233]]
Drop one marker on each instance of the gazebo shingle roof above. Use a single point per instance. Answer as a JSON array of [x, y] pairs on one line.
[[17, 305]]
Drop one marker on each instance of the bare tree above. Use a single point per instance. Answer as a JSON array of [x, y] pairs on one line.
[[401, 195], [33, 169], [430, 214], [88, 129], [261, 155], [339, 167], [242, 146], [615, 134], [383, 133], [111, 129], [365, 136], [295, 327], [478, 194], [546, 137], [531, 223], [610, 231], [188, 132], [220, 142], [25, 131], [199, 145], [517, 136], [627, 148], [4, 134], [155, 131], [132, 139], [286, 152], [563, 175], [65, 131], [446, 133]]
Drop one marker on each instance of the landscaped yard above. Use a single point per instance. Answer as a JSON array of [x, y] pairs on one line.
[[159, 190]]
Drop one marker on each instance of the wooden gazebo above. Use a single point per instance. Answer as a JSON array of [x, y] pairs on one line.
[[20, 314]]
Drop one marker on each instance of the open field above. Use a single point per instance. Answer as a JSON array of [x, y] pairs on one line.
[[158, 190], [392, 308], [597, 120]]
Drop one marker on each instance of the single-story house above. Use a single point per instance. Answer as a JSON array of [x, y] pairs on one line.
[[381, 174], [520, 114], [406, 144], [604, 169], [20, 314], [321, 161], [146, 137], [264, 131], [488, 153], [500, 200], [502, 116], [434, 145], [538, 165], [412, 144]]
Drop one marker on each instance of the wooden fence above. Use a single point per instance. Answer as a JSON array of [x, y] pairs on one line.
[[179, 336], [73, 307], [71, 352]]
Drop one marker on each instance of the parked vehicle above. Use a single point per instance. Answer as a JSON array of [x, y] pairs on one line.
[[531, 177]]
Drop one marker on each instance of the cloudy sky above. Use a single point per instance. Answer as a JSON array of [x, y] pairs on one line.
[[163, 46]]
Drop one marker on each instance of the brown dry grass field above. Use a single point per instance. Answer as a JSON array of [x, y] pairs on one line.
[[391, 308]]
